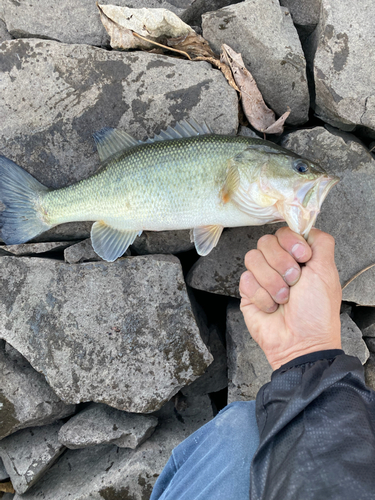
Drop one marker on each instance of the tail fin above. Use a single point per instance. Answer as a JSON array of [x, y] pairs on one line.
[[21, 220]]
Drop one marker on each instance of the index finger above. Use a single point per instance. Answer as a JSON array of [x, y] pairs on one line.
[[295, 244]]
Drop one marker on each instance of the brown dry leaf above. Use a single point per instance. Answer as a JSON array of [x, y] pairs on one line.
[[260, 116], [193, 44], [199, 49], [7, 487]]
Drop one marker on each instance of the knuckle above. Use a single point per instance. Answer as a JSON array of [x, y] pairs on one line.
[[251, 257], [266, 240]]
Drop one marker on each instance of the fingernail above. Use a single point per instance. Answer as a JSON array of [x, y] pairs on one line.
[[282, 295], [292, 275], [272, 309], [298, 251]]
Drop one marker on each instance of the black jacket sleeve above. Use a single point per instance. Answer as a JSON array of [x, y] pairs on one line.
[[316, 420]]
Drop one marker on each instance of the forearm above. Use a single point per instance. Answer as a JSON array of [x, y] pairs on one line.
[[316, 421]]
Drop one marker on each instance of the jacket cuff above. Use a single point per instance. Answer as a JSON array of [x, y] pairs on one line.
[[311, 357]]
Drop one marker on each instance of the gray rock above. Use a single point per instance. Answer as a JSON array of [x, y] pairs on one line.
[[370, 342], [163, 242], [4, 34], [193, 14], [35, 248], [3, 473], [220, 271], [370, 372], [26, 400], [348, 213], [365, 320], [265, 35], [215, 377], [305, 14], [121, 334], [344, 64], [352, 341], [248, 368], [82, 252], [113, 473], [3, 252], [76, 90], [362, 289], [28, 454], [248, 132], [68, 21], [70, 231], [99, 424]]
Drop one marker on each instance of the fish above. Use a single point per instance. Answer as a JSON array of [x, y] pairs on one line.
[[187, 177]]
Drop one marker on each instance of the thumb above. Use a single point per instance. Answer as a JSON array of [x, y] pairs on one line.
[[322, 247]]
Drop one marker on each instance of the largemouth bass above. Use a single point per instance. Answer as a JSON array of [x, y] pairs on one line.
[[185, 178]]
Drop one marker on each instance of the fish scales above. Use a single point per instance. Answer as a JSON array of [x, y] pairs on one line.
[[171, 184]]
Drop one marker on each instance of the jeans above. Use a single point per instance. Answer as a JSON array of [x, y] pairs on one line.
[[214, 462]]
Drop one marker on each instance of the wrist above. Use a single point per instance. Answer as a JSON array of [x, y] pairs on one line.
[[296, 351]]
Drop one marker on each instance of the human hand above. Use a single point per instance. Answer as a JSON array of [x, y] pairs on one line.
[[292, 310]]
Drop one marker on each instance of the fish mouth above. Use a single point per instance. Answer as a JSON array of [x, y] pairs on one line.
[[302, 212]]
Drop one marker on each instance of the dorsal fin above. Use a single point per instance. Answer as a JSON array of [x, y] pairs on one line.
[[111, 141], [185, 128]]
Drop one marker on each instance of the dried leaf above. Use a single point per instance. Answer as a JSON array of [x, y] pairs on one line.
[[153, 24], [7, 487], [278, 126], [193, 44], [260, 116]]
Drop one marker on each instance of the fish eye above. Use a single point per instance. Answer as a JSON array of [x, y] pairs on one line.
[[300, 167]]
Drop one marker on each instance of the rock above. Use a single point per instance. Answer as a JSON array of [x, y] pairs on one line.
[[92, 329], [362, 289], [220, 271], [3, 252], [370, 342], [344, 64], [365, 319], [4, 34], [248, 132], [215, 377], [29, 453], [67, 21], [305, 14], [370, 372], [248, 368], [193, 14], [118, 473], [82, 252], [99, 424], [3, 473], [268, 41], [26, 400], [346, 308], [352, 341], [35, 248], [163, 242], [70, 231], [348, 213], [75, 90]]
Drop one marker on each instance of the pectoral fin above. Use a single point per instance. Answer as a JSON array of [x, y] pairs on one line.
[[206, 238], [110, 243], [231, 183]]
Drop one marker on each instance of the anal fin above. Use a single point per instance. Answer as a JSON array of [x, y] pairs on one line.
[[110, 243], [206, 238]]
